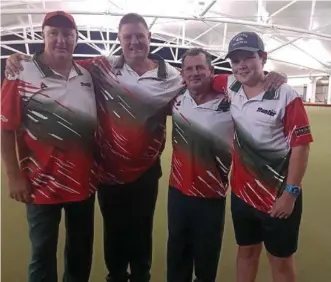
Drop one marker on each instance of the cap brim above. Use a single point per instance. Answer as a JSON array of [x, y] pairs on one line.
[[241, 49]]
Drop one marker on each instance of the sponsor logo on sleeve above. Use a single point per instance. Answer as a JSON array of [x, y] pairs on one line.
[[304, 130]]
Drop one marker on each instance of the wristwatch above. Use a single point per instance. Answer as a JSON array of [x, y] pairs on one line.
[[294, 190]]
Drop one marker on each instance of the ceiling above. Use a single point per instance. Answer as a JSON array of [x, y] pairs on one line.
[[297, 34]]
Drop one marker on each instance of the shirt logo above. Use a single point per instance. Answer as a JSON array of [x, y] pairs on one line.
[[267, 112], [118, 73], [304, 130], [43, 85], [241, 39], [87, 84]]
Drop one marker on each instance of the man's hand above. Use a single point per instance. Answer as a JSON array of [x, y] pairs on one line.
[[273, 80], [19, 189], [283, 206], [13, 64]]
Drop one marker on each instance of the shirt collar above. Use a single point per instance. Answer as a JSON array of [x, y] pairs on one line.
[[217, 104], [45, 70], [237, 88], [162, 67]]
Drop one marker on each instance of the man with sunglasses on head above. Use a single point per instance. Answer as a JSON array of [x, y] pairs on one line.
[[48, 113]]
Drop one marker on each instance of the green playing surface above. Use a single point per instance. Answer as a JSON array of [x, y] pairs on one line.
[[313, 258]]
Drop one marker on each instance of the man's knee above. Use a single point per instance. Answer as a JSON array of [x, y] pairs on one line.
[[251, 252], [281, 264]]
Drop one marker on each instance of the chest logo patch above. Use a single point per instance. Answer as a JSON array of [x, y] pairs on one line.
[[265, 111]]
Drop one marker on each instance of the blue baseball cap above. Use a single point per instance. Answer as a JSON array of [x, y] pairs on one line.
[[247, 41]]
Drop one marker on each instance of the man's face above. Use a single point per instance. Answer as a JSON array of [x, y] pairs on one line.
[[247, 66], [196, 72], [60, 42], [134, 39]]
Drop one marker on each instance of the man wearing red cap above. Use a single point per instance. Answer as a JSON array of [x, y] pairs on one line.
[[48, 112]]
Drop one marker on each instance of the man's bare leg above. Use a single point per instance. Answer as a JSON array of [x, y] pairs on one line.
[[282, 269], [248, 262]]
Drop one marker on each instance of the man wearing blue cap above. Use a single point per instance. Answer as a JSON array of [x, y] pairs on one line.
[[271, 149]]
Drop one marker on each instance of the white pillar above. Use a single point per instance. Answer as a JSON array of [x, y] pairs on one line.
[[328, 95], [311, 90]]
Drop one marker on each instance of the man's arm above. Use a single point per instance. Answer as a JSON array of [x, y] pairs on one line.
[[273, 80], [8, 153], [297, 131], [298, 134], [220, 83], [88, 63], [10, 122], [14, 63], [298, 165]]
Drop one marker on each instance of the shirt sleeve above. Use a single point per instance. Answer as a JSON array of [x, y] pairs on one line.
[[86, 64], [296, 123], [10, 104], [220, 83], [99, 61]]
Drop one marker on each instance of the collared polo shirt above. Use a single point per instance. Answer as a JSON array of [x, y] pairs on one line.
[[202, 137], [55, 121], [266, 128], [132, 115]]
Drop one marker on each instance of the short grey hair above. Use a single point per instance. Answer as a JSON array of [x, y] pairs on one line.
[[196, 52]]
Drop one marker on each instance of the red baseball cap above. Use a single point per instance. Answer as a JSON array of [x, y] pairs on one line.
[[59, 19]]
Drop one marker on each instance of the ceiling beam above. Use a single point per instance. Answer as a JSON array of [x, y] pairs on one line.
[[207, 8], [222, 20], [295, 39], [152, 23], [283, 8], [84, 40], [312, 12]]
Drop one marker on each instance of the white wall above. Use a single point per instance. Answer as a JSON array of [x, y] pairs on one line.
[[303, 85]]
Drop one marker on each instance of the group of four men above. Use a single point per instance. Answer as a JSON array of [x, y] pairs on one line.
[[100, 124]]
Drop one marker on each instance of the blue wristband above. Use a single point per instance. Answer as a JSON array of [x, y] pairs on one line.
[[293, 190]]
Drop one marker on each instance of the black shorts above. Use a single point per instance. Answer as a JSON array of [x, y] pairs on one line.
[[251, 226]]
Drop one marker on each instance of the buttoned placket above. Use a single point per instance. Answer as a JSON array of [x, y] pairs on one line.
[[209, 105], [147, 75], [245, 102], [66, 82]]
